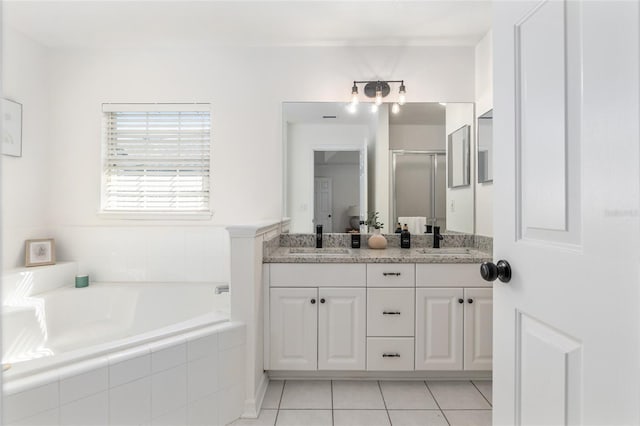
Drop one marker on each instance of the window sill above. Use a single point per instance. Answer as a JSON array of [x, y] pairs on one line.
[[158, 216]]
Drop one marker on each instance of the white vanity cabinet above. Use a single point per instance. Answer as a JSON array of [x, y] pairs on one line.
[[317, 317], [454, 310], [377, 317]]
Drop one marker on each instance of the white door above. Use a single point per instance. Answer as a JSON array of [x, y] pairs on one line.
[[478, 328], [293, 328], [566, 327], [342, 329], [439, 313], [323, 203]]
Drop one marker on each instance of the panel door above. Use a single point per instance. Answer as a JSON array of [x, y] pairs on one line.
[[478, 328], [323, 206], [439, 316], [567, 196], [342, 329], [294, 325]]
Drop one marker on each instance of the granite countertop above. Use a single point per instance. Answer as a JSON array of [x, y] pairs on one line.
[[366, 255]]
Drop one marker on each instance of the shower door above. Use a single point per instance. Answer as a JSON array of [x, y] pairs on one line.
[[418, 182]]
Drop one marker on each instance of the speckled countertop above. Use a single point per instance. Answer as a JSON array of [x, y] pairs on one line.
[[366, 255]]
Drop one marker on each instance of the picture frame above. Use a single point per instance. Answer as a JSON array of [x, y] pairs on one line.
[[40, 252], [11, 128]]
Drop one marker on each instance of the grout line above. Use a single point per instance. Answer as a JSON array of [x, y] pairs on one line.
[[284, 383], [333, 421], [437, 403], [384, 401], [485, 398]]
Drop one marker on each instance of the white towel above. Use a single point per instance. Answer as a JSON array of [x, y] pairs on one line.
[[416, 225]]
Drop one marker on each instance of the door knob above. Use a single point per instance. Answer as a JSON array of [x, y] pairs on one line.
[[490, 271]]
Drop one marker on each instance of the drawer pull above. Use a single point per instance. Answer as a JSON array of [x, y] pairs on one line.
[[396, 355], [393, 274], [391, 313]]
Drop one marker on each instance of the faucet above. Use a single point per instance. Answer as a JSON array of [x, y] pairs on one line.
[[437, 237], [222, 289]]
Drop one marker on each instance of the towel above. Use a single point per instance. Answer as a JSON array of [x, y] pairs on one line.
[[416, 225]]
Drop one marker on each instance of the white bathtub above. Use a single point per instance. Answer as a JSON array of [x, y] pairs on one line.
[[107, 316], [118, 348]]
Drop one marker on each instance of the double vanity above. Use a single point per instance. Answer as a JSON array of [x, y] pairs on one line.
[[337, 309]]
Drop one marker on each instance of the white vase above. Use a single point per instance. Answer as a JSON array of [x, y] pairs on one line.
[[377, 240]]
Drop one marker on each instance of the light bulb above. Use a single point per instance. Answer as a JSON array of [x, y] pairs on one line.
[[352, 108], [378, 96], [374, 108], [402, 97], [354, 94], [395, 108]]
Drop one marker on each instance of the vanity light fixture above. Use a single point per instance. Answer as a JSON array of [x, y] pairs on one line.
[[378, 89]]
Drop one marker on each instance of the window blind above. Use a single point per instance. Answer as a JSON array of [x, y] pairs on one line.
[[157, 161]]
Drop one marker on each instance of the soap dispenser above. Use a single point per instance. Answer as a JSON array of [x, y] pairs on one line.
[[405, 237]]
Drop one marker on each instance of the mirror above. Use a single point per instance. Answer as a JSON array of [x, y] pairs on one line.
[[485, 147], [458, 158], [401, 172]]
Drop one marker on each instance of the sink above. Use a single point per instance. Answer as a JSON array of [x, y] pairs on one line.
[[311, 251], [450, 251]]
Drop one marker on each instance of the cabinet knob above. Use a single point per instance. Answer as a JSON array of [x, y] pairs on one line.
[[313, 301], [460, 300], [322, 300], [470, 300]]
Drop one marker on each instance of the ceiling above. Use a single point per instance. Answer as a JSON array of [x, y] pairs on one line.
[[161, 23]]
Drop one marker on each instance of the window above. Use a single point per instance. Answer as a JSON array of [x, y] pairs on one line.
[[156, 158]]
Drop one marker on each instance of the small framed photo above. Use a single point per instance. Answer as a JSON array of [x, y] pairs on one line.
[[11, 128], [40, 252]]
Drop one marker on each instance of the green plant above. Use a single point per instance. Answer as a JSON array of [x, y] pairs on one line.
[[372, 220]]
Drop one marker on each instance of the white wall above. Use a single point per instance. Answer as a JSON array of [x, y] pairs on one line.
[[417, 137], [247, 163], [381, 178], [460, 200], [484, 102], [26, 180]]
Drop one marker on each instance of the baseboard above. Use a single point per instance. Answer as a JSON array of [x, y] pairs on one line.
[[380, 375], [252, 406]]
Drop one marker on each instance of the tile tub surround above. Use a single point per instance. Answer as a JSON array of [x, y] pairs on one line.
[[370, 402], [195, 378]]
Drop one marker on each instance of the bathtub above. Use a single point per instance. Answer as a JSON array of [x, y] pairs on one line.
[[121, 353]]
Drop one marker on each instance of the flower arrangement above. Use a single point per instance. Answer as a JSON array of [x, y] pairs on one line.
[[372, 220]]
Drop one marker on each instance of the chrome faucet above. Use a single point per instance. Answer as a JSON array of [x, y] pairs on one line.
[[222, 289], [437, 237]]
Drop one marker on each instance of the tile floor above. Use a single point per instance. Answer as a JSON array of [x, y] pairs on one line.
[[373, 403]]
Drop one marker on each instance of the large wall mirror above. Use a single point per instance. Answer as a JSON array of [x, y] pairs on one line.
[[341, 164]]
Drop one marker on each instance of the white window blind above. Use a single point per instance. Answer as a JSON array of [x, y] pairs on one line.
[[157, 159]]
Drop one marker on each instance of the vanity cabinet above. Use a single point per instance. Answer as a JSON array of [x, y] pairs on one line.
[[454, 328], [378, 317]]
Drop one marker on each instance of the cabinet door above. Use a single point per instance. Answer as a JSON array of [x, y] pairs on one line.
[[478, 328], [294, 328], [342, 329], [439, 315]]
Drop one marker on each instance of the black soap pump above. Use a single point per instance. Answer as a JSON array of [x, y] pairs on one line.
[[318, 236], [405, 237]]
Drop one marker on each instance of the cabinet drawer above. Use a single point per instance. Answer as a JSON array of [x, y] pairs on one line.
[[449, 275], [391, 275], [318, 275], [390, 312], [389, 353]]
